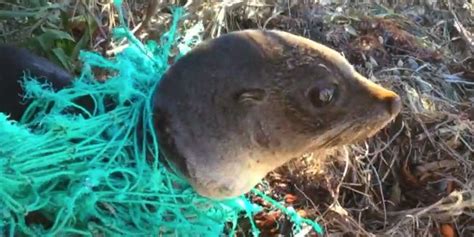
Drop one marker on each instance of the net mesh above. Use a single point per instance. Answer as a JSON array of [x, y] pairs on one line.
[[89, 173]]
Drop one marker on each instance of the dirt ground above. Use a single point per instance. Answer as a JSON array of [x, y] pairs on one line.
[[414, 178]]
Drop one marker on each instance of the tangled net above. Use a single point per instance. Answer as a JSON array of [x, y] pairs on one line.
[[90, 173]]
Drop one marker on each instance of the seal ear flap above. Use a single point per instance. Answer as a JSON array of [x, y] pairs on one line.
[[251, 96]]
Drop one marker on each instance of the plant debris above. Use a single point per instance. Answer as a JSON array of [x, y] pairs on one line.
[[415, 177]]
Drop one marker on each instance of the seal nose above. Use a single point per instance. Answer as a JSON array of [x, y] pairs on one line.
[[385, 97], [394, 104]]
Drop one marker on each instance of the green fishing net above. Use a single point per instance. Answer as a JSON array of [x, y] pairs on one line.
[[96, 173]]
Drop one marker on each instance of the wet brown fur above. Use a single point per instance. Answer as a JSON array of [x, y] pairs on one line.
[[237, 107]]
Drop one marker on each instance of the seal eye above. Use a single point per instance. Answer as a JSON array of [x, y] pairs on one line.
[[320, 97]]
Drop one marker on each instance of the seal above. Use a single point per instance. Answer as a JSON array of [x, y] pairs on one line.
[[241, 105], [15, 61]]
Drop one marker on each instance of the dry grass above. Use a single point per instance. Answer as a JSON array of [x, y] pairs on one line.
[[415, 178]]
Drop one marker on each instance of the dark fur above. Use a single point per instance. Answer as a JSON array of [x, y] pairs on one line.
[[14, 62]]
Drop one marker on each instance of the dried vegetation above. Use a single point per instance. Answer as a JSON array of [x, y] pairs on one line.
[[416, 177]]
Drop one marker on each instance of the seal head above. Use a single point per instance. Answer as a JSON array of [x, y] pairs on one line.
[[241, 105]]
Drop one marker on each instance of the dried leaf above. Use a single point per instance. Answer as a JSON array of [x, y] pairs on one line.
[[290, 198], [447, 230], [302, 213], [437, 165], [408, 177]]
